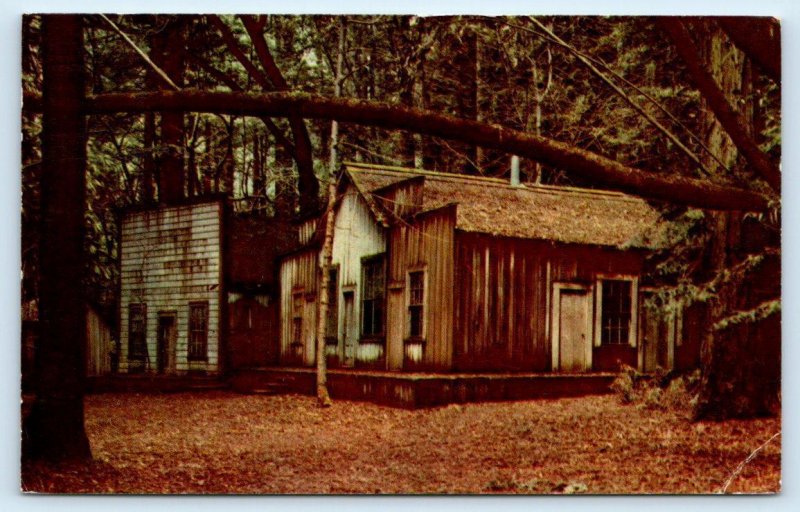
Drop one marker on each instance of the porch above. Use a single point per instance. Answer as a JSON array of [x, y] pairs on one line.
[[415, 390]]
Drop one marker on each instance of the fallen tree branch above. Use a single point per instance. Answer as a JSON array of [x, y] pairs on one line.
[[598, 169]]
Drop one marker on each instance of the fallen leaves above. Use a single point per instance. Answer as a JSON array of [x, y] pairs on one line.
[[217, 442]]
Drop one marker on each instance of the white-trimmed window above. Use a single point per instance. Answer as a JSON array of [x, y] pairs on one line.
[[616, 314], [416, 304]]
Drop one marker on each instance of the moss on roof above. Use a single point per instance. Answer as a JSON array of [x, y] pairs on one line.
[[542, 212]]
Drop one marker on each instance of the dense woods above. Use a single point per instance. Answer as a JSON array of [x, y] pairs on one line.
[[684, 112]]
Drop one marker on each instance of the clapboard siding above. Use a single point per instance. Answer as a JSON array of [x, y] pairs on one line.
[[504, 294], [427, 245], [171, 257]]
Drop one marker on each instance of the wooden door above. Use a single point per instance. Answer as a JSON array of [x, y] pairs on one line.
[[394, 329], [166, 342], [574, 340], [650, 341], [350, 329], [658, 338]]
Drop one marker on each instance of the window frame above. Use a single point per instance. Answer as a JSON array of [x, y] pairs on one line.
[[192, 352], [135, 355], [422, 305], [298, 305], [633, 328], [332, 318], [373, 336]]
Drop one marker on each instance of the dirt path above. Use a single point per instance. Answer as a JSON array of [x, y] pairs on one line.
[[227, 443]]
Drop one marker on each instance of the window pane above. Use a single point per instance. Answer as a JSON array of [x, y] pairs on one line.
[[616, 316], [198, 330], [331, 322], [137, 332], [372, 296]]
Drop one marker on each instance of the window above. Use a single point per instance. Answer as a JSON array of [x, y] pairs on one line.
[[372, 296], [416, 297], [331, 322], [198, 331], [615, 322], [137, 332], [297, 319]]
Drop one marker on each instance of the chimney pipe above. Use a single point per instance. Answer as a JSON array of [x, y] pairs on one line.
[[515, 171]]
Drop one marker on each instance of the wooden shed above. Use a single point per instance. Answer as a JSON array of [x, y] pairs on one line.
[[442, 272]]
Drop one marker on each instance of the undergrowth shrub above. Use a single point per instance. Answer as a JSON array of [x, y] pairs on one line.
[[665, 390]]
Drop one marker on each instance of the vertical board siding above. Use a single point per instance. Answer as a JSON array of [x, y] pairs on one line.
[[298, 280], [171, 257], [99, 340], [426, 244], [503, 296]]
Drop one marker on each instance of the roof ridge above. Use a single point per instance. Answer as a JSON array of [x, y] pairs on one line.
[[423, 172], [485, 180]]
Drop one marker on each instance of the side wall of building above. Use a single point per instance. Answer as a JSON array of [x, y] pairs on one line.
[[424, 247], [504, 300], [171, 259]]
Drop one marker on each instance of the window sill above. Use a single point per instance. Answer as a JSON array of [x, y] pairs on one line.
[[414, 340]]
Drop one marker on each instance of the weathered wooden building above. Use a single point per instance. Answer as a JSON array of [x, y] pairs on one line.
[[198, 287], [442, 272]]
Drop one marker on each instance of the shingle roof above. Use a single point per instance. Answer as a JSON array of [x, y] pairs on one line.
[[493, 206]]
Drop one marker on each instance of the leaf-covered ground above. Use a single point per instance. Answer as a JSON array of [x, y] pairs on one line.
[[219, 442]]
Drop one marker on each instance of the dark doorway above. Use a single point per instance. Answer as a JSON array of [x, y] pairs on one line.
[[166, 342]]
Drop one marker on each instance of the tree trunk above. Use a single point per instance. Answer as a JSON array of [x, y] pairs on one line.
[[169, 50], [54, 429], [740, 363], [148, 162], [323, 397], [259, 179], [307, 183], [229, 164]]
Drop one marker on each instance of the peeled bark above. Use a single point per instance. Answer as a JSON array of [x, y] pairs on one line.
[[54, 430], [600, 170]]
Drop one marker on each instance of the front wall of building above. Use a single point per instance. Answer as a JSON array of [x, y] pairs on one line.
[[504, 300], [171, 258]]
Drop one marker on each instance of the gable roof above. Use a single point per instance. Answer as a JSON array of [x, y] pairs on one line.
[[542, 212]]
